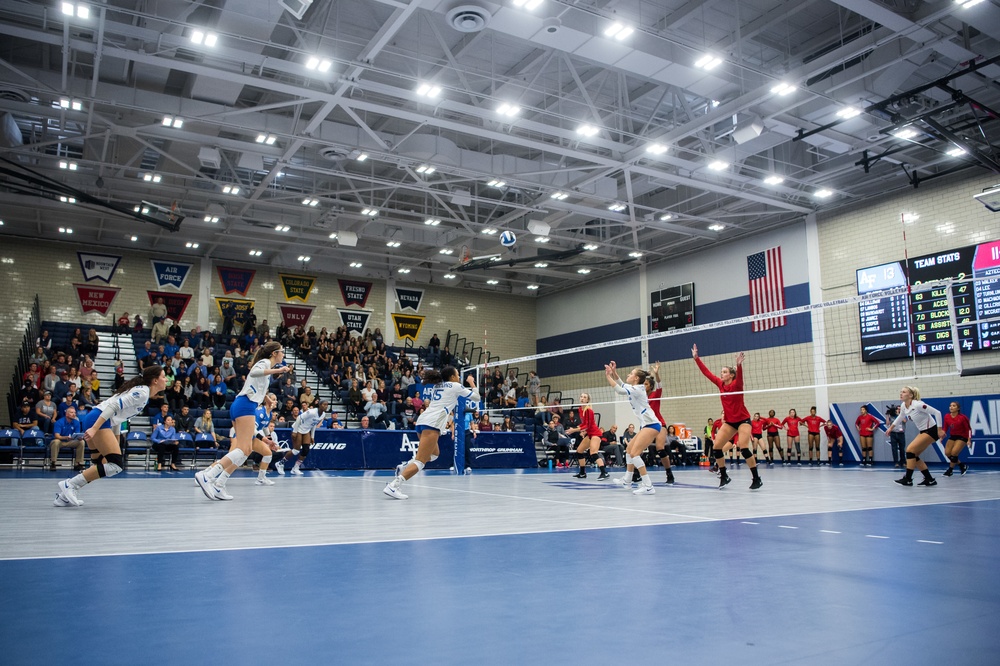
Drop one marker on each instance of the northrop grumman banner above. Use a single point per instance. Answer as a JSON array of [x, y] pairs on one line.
[[98, 266]]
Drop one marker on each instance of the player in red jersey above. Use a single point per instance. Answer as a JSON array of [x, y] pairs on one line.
[[661, 438], [866, 424], [773, 438], [834, 437], [736, 418], [813, 424], [791, 424], [757, 432], [590, 441], [958, 429]]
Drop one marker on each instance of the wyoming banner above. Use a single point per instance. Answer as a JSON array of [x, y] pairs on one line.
[[407, 326]]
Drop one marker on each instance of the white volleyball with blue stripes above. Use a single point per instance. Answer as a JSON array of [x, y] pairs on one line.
[[507, 239]]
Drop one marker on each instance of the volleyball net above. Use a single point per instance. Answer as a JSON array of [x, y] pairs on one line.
[[847, 349]]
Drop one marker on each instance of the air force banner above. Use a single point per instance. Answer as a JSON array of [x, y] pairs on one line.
[[170, 273]]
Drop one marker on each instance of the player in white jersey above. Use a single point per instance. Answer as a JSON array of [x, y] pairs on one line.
[[263, 444], [303, 430], [927, 419], [264, 364], [433, 420], [102, 428], [634, 388]]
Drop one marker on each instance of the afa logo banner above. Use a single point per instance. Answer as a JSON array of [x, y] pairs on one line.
[[355, 293], [176, 303], [96, 299], [170, 273], [296, 287], [98, 266], [295, 315], [235, 280], [407, 326], [354, 320], [240, 307], [409, 299]]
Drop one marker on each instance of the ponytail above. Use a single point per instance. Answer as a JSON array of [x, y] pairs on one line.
[[146, 378], [265, 351], [432, 376]]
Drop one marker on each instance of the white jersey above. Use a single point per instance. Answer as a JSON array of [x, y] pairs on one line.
[[307, 421], [257, 381], [444, 398], [120, 408], [639, 403], [923, 415]]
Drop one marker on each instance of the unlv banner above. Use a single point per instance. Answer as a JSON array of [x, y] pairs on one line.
[[96, 299], [409, 298], [240, 307], [355, 293], [407, 326], [176, 303], [235, 280], [170, 274], [295, 315], [98, 266], [296, 287], [354, 320]]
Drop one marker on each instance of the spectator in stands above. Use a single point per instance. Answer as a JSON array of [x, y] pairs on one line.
[[186, 350], [157, 312], [122, 325], [39, 358], [34, 374], [332, 421], [91, 344], [28, 393], [558, 442], [286, 409], [175, 330], [365, 425], [160, 331], [65, 433], [50, 380], [170, 347], [612, 449], [46, 412], [307, 399], [354, 403], [61, 387], [485, 425], [408, 417], [201, 395], [162, 415], [86, 371], [68, 401], [534, 388], [26, 420], [137, 324], [44, 340], [207, 359], [288, 391], [629, 434], [434, 345], [165, 443], [175, 397], [86, 398], [507, 425], [147, 349], [184, 422], [206, 426], [264, 331], [219, 391], [198, 365], [407, 380], [151, 360], [228, 372], [119, 376], [510, 397]]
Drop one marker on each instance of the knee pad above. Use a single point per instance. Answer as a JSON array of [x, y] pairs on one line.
[[237, 457], [953, 459], [582, 457], [719, 454], [112, 464], [433, 458], [746, 453], [420, 465], [628, 459], [638, 462], [305, 450], [266, 460], [295, 452], [663, 453], [916, 458], [591, 458], [910, 455]]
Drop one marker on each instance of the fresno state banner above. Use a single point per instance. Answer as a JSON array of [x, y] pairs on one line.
[[98, 266], [354, 320], [296, 287], [96, 299], [295, 315], [170, 273], [241, 306], [176, 303], [409, 298], [407, 326], [355, 293], [235, 280]]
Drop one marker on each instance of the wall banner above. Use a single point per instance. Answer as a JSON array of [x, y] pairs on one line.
[[176, 303], [96, 299], [98, 266], [293, 315], [235, 280], [170, 273], [296, 287], [407, 326], [355, 293], [409, 298], [354, 320], [240, 307]]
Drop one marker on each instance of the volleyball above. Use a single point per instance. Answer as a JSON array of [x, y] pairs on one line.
[[507, 239]]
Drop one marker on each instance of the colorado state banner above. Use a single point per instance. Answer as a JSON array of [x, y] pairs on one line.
[[296, 287]]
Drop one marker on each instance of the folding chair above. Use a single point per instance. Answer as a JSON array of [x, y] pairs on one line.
[[35, 443], [10, 442], [137, 442]]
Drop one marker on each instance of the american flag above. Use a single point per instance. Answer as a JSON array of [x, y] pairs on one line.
[[767, 287]]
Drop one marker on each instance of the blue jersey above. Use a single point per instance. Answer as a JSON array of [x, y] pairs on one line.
[[262, 418]]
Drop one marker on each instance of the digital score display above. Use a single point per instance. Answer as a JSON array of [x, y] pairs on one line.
[[672, 308], [885, 322]]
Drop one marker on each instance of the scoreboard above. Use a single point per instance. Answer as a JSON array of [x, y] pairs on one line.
[[672, 308], [928, 328]]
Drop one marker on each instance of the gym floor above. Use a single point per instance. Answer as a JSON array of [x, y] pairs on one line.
[[822, 566]]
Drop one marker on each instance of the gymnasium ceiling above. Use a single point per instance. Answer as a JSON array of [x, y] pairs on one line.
[[256, 117]]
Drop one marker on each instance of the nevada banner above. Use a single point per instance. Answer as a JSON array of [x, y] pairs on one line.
[[96, 299], [296, 287], [409, 298], [235, 280], [176, 303], [293, 315], [98, 266], [354, 320], [355, 293], [170, 273], [407, 326], [241, 307]]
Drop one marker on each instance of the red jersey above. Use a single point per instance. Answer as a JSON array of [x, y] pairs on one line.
[[957, 426], [833, 431], [792, 423], [588, 426], [654, 404], [715, 427], [757, 427], [866, 424], [772, 425], [813, 424], [733, 408]]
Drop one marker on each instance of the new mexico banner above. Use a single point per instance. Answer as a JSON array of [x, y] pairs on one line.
[[355, 293], [241, 307], [354, 320], [235, 280], [98, 266], [96, 299], [170, 273], [176, 303], [293, 315], [407, 326], [296, 287]]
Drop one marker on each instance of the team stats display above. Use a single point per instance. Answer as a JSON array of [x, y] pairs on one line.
[[924, 320], [672, 308]]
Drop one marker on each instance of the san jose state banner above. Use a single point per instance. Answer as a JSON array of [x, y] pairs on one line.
[[170, 273], [241, 306], [407, 325], [98, 266], [293, 315], [354, 320], [409, 298], [96, 299], [296, 287], [176, 303], [235, 280], [355, 293]]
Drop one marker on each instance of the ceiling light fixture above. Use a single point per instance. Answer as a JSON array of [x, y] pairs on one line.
[[268, 139], [558, 196], [231, 189], [497, 183], [133, 238], [490, 231], [782, 89], [432, 221], [315, 63], [774, 180], [207, 38], [541, 264], [532, 287], [309, 201], [635, 255], [849, 112], [428, 90], [392, 243], [905, 133], [617, 207], [583, 271], [963, 4], [283, 228], [255, 253], [587, 130], [530, 5], [508, 110], [656, 149], [370, 212], [493, 282], [356, 264], [80, 10], [957, 151], [404, 271], [716, 227], [361, 157], [590, 247], [304, 258], [213, 219], [172, 121], [541, 239], [65, 230], [69, 200], [426, 169], [193, 246], [823, 193], [446, 250], [618, 31], [666, 216], [449, 276], [708, 62], [718, 165], [71, 166], [67, 103], [152, 177]]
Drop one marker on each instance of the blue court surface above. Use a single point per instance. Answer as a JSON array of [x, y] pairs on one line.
[[821, 567]]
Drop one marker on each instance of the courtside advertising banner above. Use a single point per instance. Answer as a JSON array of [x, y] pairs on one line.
[[96, 299], [170, 273], [98, 266]]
